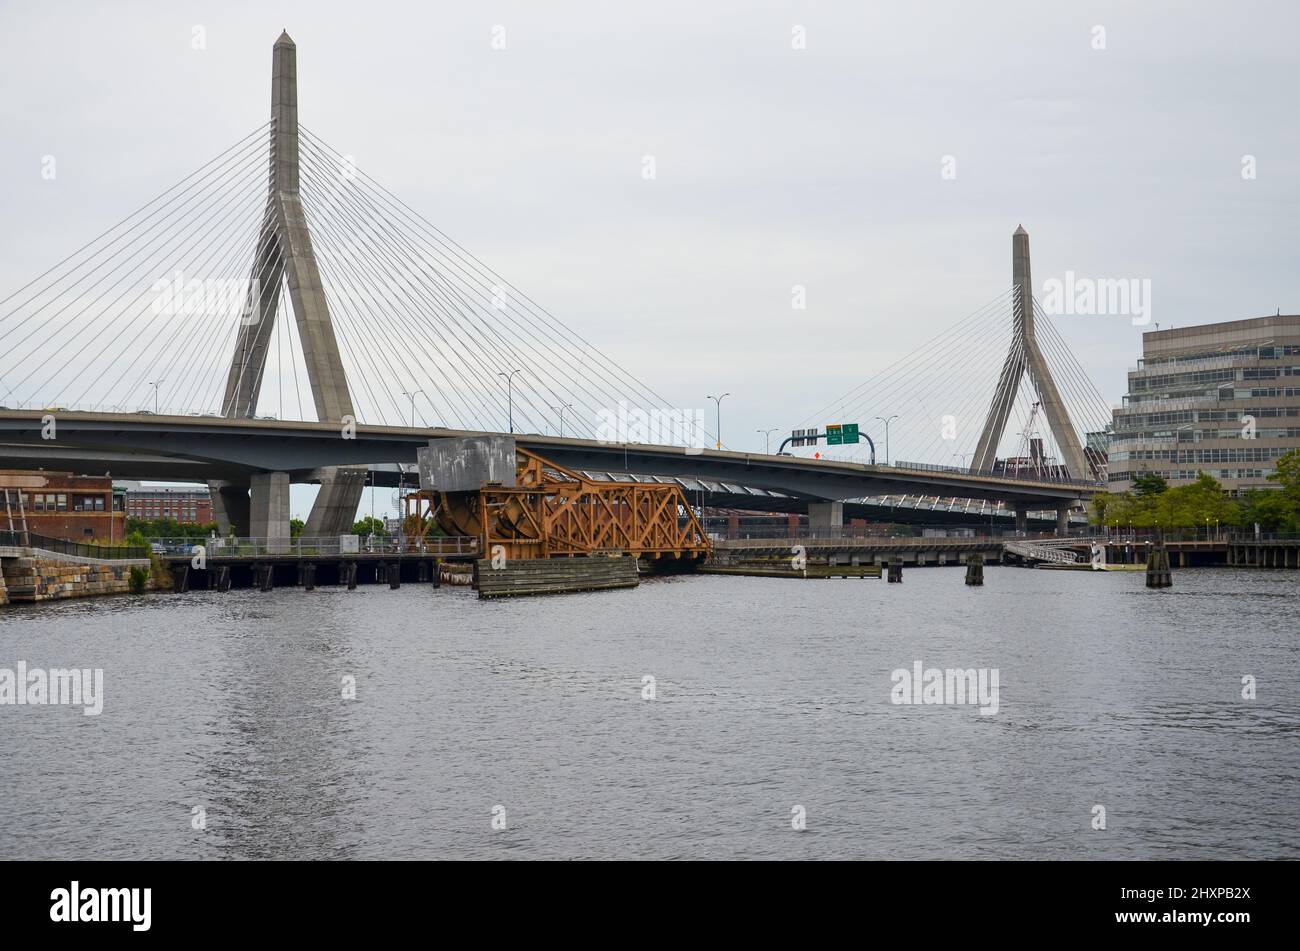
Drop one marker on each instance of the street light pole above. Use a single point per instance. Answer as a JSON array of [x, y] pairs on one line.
[[886, 422], [718, 400], [767, 435], [156, 384], [560, 409], [412, 397], [510, 397]]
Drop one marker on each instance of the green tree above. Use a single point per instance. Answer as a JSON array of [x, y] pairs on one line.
[[370, 526], [1270, 509], [1146, 484], [296, 525], [1287, 474], [1195, 505], [1111, 508], [169, 528]]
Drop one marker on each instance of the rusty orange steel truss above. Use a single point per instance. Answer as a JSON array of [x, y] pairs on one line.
[[553, 511]]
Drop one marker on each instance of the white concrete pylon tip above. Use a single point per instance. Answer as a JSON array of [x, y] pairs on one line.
[[285, 39], [1020, 229]]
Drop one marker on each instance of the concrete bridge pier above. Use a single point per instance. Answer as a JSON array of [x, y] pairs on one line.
[[230, 507], [824, 515], [335, 508], [1022, 517], [269, 509], [1062, 520]]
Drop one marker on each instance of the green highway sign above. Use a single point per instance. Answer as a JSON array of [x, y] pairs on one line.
[[841, 434]]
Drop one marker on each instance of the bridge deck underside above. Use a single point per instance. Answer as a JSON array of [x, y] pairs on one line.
[[200, 449]]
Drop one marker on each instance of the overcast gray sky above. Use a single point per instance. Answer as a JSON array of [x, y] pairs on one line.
[[775, 166]]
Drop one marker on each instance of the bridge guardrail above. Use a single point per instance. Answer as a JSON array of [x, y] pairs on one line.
[[1018, 476], [849, 533], [77, 549]]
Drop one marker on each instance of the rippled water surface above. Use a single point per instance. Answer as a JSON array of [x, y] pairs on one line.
[[771, 694]]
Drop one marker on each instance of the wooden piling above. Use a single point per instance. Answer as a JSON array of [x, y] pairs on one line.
[[975, 570], [1158, 573]]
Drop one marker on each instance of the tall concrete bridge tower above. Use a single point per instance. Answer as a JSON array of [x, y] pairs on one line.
[[285, 255], [1025, 356]]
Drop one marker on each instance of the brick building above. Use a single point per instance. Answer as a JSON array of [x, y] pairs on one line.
[[62, 505], [186, 504]]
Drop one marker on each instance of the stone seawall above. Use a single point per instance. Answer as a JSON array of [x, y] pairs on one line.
[[30, 578], [553, 575]]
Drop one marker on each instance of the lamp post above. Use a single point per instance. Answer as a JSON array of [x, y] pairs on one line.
[[560, 409], [718, 400], [886, 422], [411, 397], [156, 384], [962, 457], [767, 436], [510, 397]]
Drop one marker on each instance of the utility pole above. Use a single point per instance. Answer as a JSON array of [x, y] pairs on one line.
[[767, 436]]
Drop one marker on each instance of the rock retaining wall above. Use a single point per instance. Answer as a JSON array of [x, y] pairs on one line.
[[31, 578]]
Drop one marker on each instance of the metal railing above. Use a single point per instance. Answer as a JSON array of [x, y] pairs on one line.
[[1030, 551], [65, 547], [1018, 476], [328, 546]]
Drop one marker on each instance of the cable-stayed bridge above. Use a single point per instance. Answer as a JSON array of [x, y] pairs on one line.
[[278, 316]]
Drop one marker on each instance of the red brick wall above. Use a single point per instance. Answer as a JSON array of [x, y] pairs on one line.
[[103, 526]]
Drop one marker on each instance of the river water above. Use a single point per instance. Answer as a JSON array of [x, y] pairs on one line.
[[771, 703]]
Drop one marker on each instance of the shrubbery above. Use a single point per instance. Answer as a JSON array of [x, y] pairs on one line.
[[1196, 505]]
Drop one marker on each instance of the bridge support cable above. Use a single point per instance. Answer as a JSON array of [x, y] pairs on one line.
[[207, 389], [371, 284], [503, 306], [931, 388], [117, 295], [236, 248], [473, 325], [364, 306], [457, 306], [966, 395], [140, 267], [968, 328], [1092, 404], [99, 245]]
